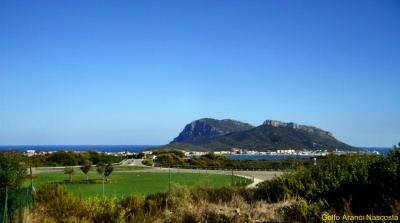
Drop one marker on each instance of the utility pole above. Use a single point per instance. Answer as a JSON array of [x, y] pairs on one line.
[[103, 186], [31, 188], [232, 176], [169, 186], [5, 206], [169, 180]]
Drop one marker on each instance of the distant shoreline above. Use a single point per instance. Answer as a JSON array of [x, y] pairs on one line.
[[140, 148], [112, 148]]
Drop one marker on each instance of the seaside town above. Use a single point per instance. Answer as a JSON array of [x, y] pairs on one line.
[[233, 151]]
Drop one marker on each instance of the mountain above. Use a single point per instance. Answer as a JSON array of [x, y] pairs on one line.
[[203, 130], [216, 135], [273, 135]]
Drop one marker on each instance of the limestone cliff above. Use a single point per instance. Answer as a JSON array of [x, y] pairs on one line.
[[204, 129], [216, 135], [297, 126]]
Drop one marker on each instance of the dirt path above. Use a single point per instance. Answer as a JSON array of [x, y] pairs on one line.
[[259, 176], [138, 162]]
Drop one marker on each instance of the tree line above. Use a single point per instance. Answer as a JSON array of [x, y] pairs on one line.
[[70, 158], [103, 169], [176, 158]]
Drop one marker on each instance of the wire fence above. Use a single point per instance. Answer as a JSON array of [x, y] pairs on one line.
[[14, 201]]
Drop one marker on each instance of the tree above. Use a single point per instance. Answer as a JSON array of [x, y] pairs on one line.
[[210, 155], [69, 170], [12, 173], [63, 158], [94, 157], [108, 170], [100, 167], [86, 167], [395, 147]]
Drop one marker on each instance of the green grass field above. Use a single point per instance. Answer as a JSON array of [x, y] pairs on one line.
[[139, 183]]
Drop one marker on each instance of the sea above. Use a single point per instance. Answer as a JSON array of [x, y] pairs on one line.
[[139, 148], [81, 148]]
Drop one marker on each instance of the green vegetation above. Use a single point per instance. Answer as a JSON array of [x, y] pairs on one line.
[[342, 185], [176, 158], [184, 204], [100, 168], [86, 167], [348, 185], [12, 174], [127, 183], [70, 158], [338, 185], [108, 169], [70, 171]]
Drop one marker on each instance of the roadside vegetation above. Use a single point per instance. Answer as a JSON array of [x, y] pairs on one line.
[[347, 185]]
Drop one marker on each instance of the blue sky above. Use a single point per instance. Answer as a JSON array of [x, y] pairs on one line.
[[136, 72]]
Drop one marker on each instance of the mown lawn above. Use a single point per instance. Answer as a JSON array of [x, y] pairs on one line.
[[139, 183]]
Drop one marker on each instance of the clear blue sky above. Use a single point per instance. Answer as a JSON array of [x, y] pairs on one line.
[[136, 72]]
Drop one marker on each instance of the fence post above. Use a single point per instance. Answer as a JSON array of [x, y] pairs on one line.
[[169, 180], [5, 206], [169, 185], [20, 203], [232, 176]]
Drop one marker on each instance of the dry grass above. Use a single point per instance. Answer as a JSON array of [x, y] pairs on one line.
[[189, 208], [236, 210], [183, 205]]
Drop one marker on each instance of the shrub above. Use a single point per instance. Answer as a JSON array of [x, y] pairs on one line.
[[105, 210], [156, 203], [341, 183], [59, 202], [55, 202], [134, 206]]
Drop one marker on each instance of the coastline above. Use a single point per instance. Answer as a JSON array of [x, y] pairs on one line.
[[140, 148]]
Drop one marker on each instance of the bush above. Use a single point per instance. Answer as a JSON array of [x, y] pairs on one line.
[[54, 201], [342, 184], [59, 202], [303, 211], [134, 206], [105, 210]]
